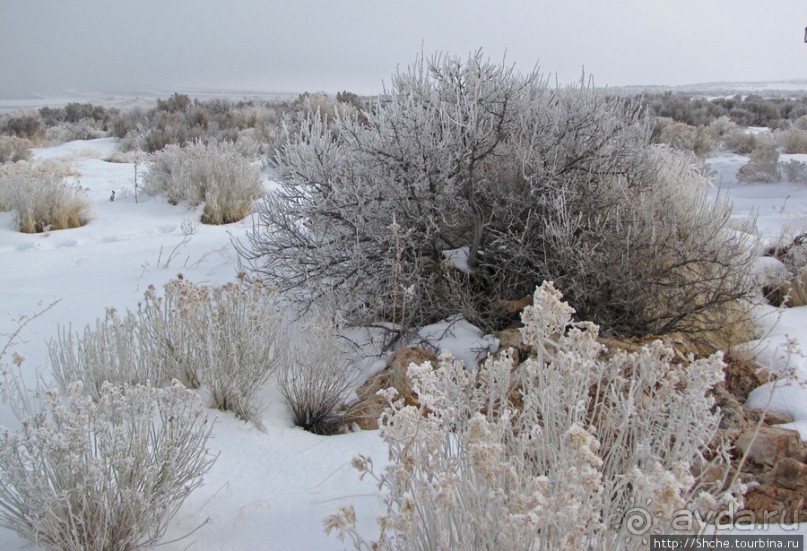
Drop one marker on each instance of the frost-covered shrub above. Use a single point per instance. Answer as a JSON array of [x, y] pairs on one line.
[[215, 174], [550, 453], [24, 126], [740, 141], [762, 166], [793, 140], [800, 123], [317, 377], [13, 149], [80, 474], [686, 138], [792, 290], [42, 198], [795, 171], [83, 129], [533, 183], [226, 339], [110, 352], [721, 126]]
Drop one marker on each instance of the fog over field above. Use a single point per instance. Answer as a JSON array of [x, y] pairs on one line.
[[49, 46]]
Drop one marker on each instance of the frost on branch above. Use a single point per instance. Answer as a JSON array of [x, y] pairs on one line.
[[497, 182], [550, 453]]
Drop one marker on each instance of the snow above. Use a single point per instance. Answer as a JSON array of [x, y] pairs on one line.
[[272, 490], [266, 490], [780, 210]]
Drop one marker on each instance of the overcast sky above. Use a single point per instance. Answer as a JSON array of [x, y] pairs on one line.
[[48, 46]]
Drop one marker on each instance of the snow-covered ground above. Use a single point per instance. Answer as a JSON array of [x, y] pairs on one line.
[[268, 490], [780, 210]]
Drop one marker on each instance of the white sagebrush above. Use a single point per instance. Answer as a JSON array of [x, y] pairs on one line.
[[108, 474], [227, 339], [109, 352], [550, 453]]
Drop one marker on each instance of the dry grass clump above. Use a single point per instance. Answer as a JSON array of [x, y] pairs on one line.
[[214, 173], [13, 149], [42, 198], [793, 140]]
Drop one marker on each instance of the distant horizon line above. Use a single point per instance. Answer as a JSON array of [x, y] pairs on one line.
[[68, 95]]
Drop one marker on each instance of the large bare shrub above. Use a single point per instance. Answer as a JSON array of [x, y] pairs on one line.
[[471, 156], [42, 198], [215, 173], [554, 452]]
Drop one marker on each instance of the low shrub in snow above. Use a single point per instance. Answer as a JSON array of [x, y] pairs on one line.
[[108, 474], [14, 149], [795, 171], [42, 198], [762, 166], [793, 140], [214, 173], [793, 290], [684, 137], [550, 453], [740, 141], [110, 352], [228, 338], [316, 377]]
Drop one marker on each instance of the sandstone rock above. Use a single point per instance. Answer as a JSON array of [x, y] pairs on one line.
[[770, 445], [399, 363], [790, 474], [366, 411], [771, 504], [743, 376]]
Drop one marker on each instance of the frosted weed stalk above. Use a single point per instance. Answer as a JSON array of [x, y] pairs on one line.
[[550, 453]]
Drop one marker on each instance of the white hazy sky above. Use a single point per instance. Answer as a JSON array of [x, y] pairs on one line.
[[48, 46]]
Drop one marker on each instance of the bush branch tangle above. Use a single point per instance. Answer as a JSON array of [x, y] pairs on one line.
[[549, 453], [532, 182]]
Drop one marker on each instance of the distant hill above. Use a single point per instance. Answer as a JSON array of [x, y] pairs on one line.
[[778, 88]]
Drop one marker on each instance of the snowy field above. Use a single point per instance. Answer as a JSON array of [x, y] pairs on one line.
[[272, 490]]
